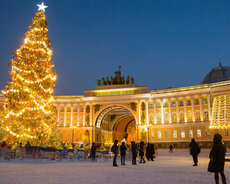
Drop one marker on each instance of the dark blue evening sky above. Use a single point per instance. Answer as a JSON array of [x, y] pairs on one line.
[[161, 42]]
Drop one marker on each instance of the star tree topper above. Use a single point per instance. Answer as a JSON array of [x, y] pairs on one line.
[[41, 7]]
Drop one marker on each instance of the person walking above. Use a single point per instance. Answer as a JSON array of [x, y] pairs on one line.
[[152, 152], [141, 152], [114, 149], [123, 149], [194, 151], [148, 151], [217, 159], [134, 152], [171, 148], [93, 151]]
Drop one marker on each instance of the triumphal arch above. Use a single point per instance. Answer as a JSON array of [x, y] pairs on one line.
[[119, 109]]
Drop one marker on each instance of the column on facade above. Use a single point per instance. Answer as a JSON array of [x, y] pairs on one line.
[[193, 113], [185, 111], [209, 108], [91, 114], [139, 112], [78, 115], [65, 116], [201, 109], [155, 112], [71, 116], [177, 111], [147, 112], [162, 111], [170, 111], [84, 115]]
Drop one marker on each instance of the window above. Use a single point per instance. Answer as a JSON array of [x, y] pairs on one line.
[[197, 116], [182, 134], [67, 121], [226, 133], [82, 109], [196, 102], [190, 133], [198, 133], [188, 102], [68, 109], [75, 109], [207, 133], [166, 105], [158, 118], [205, 115], [174, 118], [174, 134], [181, 104], [75, 120], [181, 117], [151, 106], [62, 109], [173, 104], [166, 134], [205, 101], [166, 118], [61, 121], [158, 105], [151, 119], [189, 116], [159, 135], [152, 135]]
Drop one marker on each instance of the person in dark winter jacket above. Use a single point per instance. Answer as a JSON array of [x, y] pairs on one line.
[[194, 151], [93, 151], [141, 152], [148, 151], [217, 155], [171, 148], [114, 149], [134, 152], [123, 149], [152, 151]]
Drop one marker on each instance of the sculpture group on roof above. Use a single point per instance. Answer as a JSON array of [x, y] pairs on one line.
[[118, 79]]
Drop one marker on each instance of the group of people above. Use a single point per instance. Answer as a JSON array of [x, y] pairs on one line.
[[216, 155]]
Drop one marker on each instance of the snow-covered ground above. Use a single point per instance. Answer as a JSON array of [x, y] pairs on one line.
[[167, 168]]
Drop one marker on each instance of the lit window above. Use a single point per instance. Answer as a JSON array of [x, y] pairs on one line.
[[189, 116], [190, 133], [74, 120], [205, 115], [181, 117], [166, 118], [173, 104], [75, 109], [158, 118], [68, 109], [61, 121], [62, 109], [159, 135], [196, 102], [205, 101], [158, 105], [226, 133], [82, 109], [151, 118], [188, 102], [181, 104], [166, 134], [68, 121], [197, 116], [174, 118], [182, 134], [174, 134], [207, 133], [166, 105], [152, 135], [150, 106], [198, 133]]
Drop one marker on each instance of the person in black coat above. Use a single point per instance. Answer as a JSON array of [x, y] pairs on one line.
[[141, 152], [134, 152], [114, 149], [194, 151], [148, 151], [152, 151], [93, 151], [217, 155], [123, 149]]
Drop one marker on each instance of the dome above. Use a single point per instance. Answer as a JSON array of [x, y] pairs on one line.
[[217, 74]]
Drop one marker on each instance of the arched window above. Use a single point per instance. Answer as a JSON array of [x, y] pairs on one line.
[[189, 116], [206, 115], [158, 118], [197, 116], [151, 118], [181, 117], [174, 118], [166, 118]]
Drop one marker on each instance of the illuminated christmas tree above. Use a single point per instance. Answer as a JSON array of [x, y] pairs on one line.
[[29, 102]]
